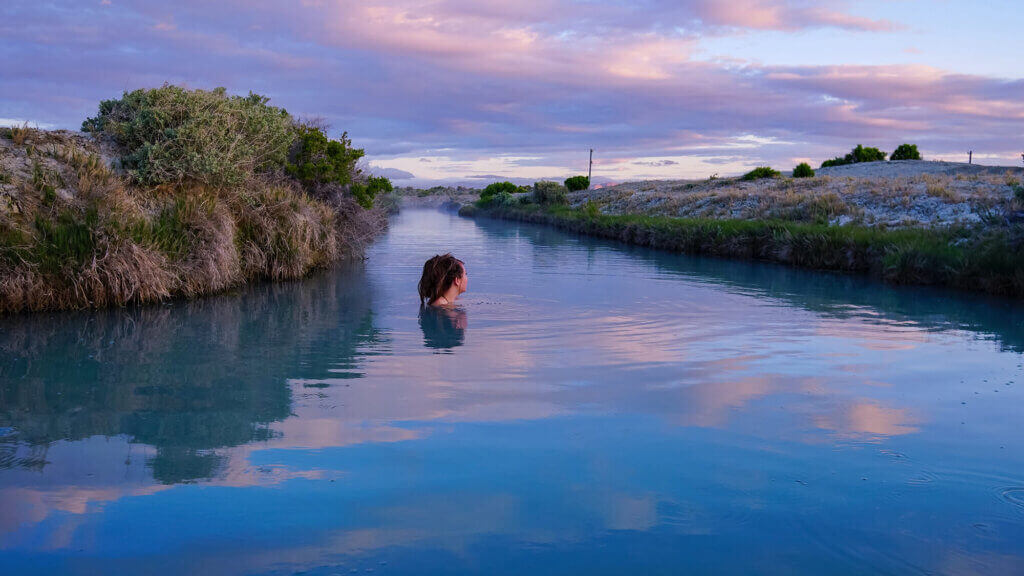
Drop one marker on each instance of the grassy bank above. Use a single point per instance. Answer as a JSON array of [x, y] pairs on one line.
[[972, 258], [173, 192]]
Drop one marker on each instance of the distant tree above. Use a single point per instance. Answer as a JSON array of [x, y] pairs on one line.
[[761, 172], [862, 154], [803, 170], [857, 155], [577, 183], [837, 161], [906, 152]]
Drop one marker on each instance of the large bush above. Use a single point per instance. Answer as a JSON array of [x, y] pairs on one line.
[[803, 170], [906, 152], [170, 134], [761, 172], [317, 160], [549, 193], [497, 187], [577, 183], [862, 154], [858, 154]]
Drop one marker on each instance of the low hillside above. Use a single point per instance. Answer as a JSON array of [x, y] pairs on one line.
[[964, 230], [888, 194], [171, 192]]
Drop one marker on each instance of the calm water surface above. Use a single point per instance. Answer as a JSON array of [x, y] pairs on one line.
[[591, 408]]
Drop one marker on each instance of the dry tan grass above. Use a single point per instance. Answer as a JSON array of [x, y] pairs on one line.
[[139, 245], [20, 134]]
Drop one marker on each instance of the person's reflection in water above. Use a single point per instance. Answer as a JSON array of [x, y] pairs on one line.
[[443, 327]]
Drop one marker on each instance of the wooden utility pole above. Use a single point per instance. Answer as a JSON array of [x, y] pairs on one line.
[[590, 166], [970, 157]]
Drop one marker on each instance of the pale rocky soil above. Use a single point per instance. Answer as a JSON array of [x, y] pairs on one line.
[[894, 194], [49, 151]]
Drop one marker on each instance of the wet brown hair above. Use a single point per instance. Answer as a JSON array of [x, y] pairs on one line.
[[439, 273]]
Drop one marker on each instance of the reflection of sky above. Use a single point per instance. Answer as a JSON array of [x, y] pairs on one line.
[[602, 400]]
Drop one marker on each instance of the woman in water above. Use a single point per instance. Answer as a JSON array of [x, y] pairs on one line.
[[444, 279]]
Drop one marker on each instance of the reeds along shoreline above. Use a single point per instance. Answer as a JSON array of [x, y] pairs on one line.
[[976, 259]]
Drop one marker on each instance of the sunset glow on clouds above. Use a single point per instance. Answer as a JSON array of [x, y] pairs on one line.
[[459, 90]]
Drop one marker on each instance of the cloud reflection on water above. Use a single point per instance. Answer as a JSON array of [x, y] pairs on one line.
[[294, 386]]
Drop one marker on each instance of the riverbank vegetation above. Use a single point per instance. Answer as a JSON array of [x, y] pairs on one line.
[[986, 257], [174, 192]]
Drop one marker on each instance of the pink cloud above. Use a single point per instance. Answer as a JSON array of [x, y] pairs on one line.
[[781, 15]]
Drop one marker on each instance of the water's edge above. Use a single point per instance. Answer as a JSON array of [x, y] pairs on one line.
[[909, 257]]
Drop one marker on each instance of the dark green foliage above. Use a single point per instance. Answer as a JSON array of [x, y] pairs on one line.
[[317, 160], [171, 134], [803, 170], [761, 172], [838, 161], [906, 152], [68, 241], [549, 193], [365, 193], [862, 154], [1018, 192], [858, 154], [577, 183], [495, 188]]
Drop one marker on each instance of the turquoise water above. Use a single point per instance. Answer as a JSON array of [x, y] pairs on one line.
[[590, 408]]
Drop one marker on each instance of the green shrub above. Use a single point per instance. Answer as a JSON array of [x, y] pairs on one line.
[[496, 188], [858, 154], [862, 154], [365, 193], [761, 172], [315, 159], [906, 152], [803, 170], [1018, 192], [837, 161], [549, 193], [170, 134], [577, 183], [503, 200]]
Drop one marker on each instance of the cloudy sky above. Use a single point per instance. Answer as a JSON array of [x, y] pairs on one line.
[[472, 90]]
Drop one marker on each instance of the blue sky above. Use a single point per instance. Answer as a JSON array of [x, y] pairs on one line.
[[470, 91]]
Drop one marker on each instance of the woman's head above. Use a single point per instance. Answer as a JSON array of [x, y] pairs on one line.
[[440, 274]]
